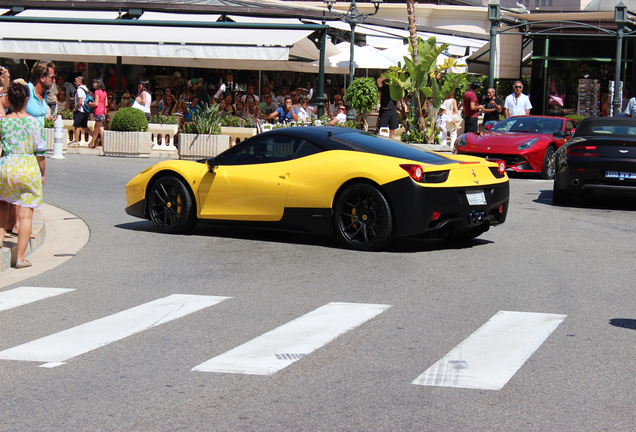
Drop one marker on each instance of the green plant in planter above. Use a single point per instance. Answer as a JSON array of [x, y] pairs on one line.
[[362, 95], [205, 120], [228, 120], [412, 136], [575, 117], [163, 120], [128, 119], [67, 114], [48, 122]]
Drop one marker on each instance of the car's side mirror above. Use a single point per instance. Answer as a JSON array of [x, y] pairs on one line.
[[487, 127], [212, 163], [572, 132]]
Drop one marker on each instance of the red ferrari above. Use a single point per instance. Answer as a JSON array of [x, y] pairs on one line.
[[526, 143]]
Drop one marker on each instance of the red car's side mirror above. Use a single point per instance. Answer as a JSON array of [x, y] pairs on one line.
[[487, 127]]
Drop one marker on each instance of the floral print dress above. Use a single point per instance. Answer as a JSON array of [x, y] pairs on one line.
[[20, 176]]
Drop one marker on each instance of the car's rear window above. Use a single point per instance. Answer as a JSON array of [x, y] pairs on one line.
[[614, 130], [389, 147]]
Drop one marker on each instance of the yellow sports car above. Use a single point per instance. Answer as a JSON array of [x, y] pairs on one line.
[[366, 189]]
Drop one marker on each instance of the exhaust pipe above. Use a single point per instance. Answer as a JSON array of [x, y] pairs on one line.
[[476, 217], [575, 182]]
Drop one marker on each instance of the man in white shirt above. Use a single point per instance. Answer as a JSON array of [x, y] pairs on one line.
[[341, 116], [517, 103]]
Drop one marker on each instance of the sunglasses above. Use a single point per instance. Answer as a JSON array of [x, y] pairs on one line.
[[109, 97], [126, 97], [519, 87]]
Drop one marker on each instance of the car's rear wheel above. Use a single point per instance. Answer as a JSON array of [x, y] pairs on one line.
[[363, 218], [170, 205], [561, 197], [548, 163]]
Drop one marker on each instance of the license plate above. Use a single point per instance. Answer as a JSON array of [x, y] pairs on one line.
[[620, 175], [476, 197]]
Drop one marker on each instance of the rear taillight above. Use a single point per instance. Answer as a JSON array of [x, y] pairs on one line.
[[415, 171], [501, 166], [582, 150]]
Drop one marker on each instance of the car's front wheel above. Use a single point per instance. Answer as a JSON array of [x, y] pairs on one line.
[[170, 205], [548, 163], [363, 218]]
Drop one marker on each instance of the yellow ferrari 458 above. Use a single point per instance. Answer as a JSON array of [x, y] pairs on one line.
[[366, 189]]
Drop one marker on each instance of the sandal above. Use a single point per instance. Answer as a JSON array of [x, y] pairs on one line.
[[23, 264]]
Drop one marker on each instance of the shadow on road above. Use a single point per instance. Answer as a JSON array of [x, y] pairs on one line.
[[599, 201], [624, 323], [406, 245]]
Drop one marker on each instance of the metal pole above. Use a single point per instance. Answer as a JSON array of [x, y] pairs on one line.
[[546, 53], [350, 115], [493, 52], [118, 89], [321, 73], [617, 80]]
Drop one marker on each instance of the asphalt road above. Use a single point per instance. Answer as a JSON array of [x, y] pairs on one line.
[[577, 262]]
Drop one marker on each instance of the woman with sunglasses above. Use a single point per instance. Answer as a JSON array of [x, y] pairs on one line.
[[110, 101], [125, 102], [169, 105], [62, 101]]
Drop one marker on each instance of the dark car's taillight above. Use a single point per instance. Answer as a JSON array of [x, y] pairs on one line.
[[582, 150]]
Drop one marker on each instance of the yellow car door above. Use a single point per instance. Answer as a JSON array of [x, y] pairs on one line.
[[250, 181]]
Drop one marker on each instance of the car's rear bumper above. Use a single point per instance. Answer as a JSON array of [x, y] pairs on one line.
[[414, 207], [585, 175]]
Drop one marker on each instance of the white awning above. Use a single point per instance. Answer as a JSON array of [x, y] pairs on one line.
[[237, 48]]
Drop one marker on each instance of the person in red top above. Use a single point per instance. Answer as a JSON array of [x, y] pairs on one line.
[[112, 81], [99, 105], [471, 108]]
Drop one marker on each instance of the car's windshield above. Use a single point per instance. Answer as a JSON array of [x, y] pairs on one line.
[[541, 125], [389, 147]]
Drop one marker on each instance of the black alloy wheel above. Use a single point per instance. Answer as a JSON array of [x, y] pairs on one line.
[[548, 163], [170, 205], [363, 218]]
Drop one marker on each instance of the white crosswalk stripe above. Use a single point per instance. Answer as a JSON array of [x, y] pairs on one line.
[[25, 295], [488, 358], [59, 347], [277, 349]]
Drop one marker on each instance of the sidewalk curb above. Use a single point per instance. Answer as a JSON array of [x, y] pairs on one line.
[[65, 235], [9, 251]]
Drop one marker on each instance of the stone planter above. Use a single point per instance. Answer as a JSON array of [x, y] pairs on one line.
[[195, 146], [238, 134], [127, 144], [167, 133], [49, 133]]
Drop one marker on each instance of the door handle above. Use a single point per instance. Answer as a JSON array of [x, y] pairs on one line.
[[284, 176]]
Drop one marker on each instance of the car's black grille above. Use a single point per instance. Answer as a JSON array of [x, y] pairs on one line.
[[508, 158]]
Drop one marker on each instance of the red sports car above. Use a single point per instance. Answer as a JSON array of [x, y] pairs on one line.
[[526, 143]]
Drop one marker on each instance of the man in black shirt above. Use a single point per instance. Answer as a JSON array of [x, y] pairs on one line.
[[388, 116], [492, 108], [200, 95]]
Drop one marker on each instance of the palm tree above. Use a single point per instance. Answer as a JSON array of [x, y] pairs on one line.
[[410, 9]]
